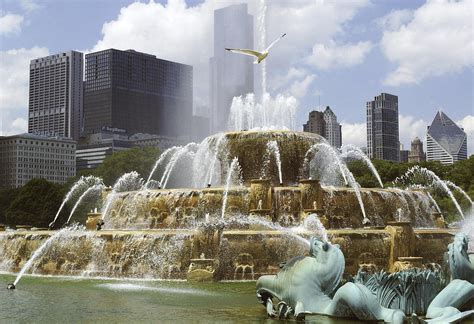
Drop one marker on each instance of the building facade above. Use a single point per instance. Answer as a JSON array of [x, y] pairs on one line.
[[382, 128], [325, 123], [137, 92], [56, 95], [27, 156], [92, 149], [231, 75], [445, 141], [316, 123], [333, 130], [416, 153]]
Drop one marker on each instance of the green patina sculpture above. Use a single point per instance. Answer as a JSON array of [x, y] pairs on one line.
[[304, 285], [459, 293]]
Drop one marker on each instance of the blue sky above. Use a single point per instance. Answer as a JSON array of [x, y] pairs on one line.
[[342, 53]]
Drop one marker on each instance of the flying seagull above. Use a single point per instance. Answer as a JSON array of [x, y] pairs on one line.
[[259, 55]]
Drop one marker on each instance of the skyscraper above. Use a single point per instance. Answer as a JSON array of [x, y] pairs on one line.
[[56, 95], [382, 128], [230, 75], [137, 93], [324, 124], [333, 131], [446, 142]]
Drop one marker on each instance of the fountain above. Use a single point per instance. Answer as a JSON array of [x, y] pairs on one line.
[[243, 223], [206, 212]]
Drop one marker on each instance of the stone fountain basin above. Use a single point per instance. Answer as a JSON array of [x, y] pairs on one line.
[[267, 248]]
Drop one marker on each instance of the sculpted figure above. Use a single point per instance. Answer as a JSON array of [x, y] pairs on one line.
[[304, 284], [460, 264], [459, 293]]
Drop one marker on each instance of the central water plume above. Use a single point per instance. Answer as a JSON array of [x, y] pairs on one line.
[[248, 114], [419, 175], [273, 149], [79, 185]]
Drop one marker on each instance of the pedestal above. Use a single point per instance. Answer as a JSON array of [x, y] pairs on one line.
[[92, 219], [260, 194], [402, 242], [311, 194]]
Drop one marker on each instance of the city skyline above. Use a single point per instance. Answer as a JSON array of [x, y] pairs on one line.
[[309, 63]]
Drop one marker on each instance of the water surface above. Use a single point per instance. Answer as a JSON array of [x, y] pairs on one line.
[[67, 299]]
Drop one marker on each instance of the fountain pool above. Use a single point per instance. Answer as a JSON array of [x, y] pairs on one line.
[[58, 299]]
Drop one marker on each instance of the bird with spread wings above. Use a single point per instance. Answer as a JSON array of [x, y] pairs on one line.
[[260, 56]]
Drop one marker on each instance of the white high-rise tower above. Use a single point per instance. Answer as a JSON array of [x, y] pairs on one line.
[[230, 75]]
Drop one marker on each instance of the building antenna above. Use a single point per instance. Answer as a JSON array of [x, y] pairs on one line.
[[319, 101]]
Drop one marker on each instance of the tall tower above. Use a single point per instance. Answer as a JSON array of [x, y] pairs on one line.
[[445, 141], [137, 93], [382, 128], [324, 123], [56, 95], [333, 128], [230, 75]]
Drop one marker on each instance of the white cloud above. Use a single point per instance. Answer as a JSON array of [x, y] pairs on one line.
[[299, 88], [410, 127], [278, 81], [29, 5], [468, 124], [172, 31], [354, 134], [182, 33], [336, 56], [14, 76], [10, 24], [395, 19], [438, 40]]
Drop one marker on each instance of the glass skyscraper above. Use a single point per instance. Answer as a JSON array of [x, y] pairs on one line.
[[446, 142], [382, 128], [137, 93]]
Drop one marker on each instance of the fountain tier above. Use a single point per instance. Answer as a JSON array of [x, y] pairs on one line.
[[225, 254]]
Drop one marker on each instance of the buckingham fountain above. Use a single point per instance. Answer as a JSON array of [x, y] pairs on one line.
[[232, 208], [238, 204]]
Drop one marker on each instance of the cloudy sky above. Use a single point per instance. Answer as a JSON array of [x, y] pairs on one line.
[[340, 53]]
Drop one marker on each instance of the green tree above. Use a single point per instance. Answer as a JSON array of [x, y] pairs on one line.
[[6, 198], [140, 159], [35, 204]]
